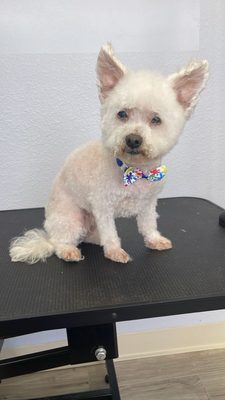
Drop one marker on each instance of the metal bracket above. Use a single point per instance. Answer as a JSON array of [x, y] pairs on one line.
[[86, 341], [82, 345]]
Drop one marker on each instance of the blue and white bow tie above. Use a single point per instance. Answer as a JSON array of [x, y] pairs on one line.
[[132, 174]]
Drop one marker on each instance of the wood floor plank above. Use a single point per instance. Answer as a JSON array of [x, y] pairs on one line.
[[54, 382], [160, 378], [214, 383], [189, 388], [153, 367], [210, 360], [191, 376]]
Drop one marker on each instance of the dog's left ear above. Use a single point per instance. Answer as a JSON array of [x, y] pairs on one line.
[[188, 83], [109, 71]]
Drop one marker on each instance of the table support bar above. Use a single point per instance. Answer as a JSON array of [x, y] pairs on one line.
[[34, 362]]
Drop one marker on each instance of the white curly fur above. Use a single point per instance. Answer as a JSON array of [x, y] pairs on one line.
[[88, 193], [31, 247]]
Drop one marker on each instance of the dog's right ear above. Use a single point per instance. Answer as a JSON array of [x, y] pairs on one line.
[[109, 71]]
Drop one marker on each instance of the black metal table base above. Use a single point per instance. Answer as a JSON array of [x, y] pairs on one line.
[[90, 339], [112, 380], [97, 394]]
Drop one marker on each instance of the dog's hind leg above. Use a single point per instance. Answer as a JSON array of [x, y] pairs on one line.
[[66, 229], [65, 237], [68, 252]]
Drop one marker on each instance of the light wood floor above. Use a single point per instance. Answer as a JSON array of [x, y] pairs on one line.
[[192, 376]]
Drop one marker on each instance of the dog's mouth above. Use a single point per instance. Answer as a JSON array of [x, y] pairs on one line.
[[139, 154], [136, 151], [132, 151]]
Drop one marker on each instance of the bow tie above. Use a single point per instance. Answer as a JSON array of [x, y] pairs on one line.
[[132, 174]]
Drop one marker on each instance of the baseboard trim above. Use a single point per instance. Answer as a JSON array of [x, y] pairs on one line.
[[150, 343], [172, 341]]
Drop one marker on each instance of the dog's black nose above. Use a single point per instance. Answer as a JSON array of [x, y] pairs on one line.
[[133, 141]]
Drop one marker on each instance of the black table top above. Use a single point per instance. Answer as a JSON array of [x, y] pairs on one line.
[[56, 294]]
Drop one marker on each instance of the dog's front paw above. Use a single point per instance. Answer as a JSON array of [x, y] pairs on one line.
[[117, 255], [160, 243]]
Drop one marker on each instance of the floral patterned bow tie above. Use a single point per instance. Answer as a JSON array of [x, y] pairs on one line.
[[132, 174]]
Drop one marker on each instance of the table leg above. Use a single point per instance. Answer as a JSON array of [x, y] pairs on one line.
[[1, 344], [112, 379]]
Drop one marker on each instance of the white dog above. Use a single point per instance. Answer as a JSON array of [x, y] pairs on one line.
[[143, 114]]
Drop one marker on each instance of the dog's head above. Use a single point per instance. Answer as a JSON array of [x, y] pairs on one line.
[[143, 112]]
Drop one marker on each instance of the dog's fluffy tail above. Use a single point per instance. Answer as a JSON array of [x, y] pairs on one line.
[[32, 247]]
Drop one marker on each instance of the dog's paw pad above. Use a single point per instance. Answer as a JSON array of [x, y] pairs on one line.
[[73, 254], [118, 255], [160, 243]]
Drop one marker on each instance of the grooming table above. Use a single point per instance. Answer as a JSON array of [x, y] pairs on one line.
[[89, 297]]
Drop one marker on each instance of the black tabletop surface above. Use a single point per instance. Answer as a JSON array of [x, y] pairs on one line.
[[56, 294]]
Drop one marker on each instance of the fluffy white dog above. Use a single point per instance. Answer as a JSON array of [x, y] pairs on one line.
[[119, 175]]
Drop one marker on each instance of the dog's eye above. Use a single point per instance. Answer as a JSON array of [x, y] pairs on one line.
[[122, 115], [156, 120]]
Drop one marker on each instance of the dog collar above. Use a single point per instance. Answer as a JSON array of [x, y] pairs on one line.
[[132, 174]]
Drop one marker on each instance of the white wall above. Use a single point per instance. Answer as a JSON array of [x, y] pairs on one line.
[[48, 98], [49, 104]]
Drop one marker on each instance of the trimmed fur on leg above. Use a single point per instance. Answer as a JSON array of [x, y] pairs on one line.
[[32, 247]]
